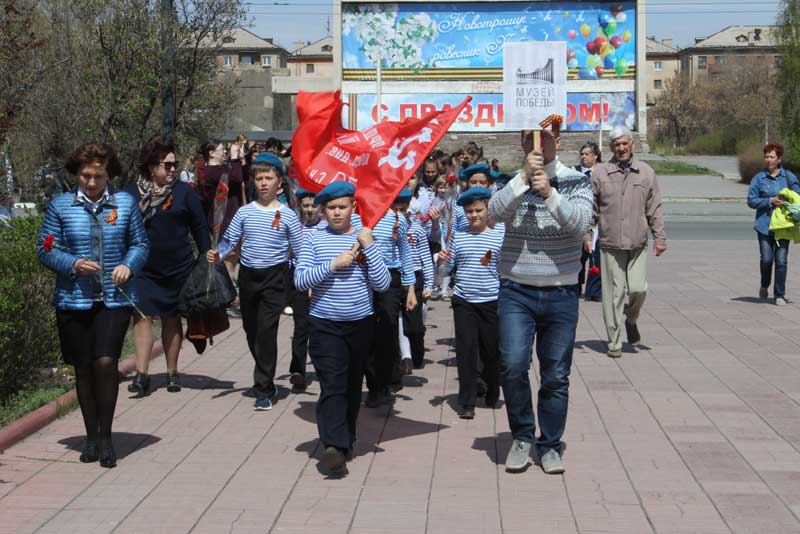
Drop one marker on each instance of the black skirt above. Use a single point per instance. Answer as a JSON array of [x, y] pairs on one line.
[[86, 335], [158, 295]]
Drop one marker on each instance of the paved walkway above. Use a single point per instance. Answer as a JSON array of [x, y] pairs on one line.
[[699, 432]]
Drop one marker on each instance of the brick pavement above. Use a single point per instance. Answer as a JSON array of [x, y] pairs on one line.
[[700, 432]]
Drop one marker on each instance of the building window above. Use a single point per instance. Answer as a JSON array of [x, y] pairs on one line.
[[266, 61], [246, 60], [702, 62], [228, 61], [657, 65], [720, 60], [327, 48], [310, 68], [658, 84]]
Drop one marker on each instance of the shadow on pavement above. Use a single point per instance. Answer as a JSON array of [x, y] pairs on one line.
[[751, 300], [451, 400], [125, 443], [593, 345], [191, 381]]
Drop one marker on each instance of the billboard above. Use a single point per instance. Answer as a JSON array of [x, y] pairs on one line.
[[464, 41], [485, 113]]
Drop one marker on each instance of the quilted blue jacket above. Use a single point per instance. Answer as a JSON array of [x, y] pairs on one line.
[[101, 237]]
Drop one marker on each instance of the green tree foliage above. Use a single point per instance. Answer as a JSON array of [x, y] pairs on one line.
[[789, 75], [104, 83]]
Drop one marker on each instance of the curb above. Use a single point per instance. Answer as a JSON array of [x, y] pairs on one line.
[[707, 200], [26, 425]]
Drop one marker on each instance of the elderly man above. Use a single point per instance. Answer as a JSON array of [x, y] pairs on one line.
[[547, 209], [627, 201]]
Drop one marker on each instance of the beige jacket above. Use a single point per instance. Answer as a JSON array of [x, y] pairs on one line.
[[626, 204]]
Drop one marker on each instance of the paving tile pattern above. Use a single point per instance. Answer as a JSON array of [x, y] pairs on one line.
[[698, 431]]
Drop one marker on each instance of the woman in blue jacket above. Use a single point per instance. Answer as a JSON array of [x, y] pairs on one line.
[[94, 240], [763, 197]]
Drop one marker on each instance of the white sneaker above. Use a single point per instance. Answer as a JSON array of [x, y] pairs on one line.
[[552, 463], [288, 311], [780, 301]]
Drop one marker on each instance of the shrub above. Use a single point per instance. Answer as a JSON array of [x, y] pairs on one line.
[[751, 162], [28, 336]]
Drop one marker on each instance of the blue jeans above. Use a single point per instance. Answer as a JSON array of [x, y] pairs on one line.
[[777, 252], [550, 315]]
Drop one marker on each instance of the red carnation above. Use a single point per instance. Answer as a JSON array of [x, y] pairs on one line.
[[49, 241], [594, 271], [276, 222]]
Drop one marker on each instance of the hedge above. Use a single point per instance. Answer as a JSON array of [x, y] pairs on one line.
[[28, 336]]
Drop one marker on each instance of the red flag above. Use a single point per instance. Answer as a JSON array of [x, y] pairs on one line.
[[379, 160]]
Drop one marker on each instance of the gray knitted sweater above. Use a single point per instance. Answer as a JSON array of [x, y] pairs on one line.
[[542, 245]]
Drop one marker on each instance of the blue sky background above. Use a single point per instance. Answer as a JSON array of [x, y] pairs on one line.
[[682, 20]]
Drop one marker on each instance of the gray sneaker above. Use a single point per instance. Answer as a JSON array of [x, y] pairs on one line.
[[519, 457], [780, 301], [551, 462]]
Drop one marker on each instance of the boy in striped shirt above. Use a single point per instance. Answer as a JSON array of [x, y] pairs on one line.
[[383, 370], [311, 221], [266, 228], [474, 255], [341, 316]]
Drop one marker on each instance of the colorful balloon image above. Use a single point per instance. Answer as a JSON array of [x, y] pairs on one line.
[[572, 34], [558, 30], [566, 14], [594, 61], [621, 67], [600, 42], [599, 71], [604, 19], [607, 50], [616, 9], [615, 41], [610, 28], [586, 30], [608, 62], [587, 74], [626, 36], [591, 47], [573, 63], [571, 54], [621, 18]]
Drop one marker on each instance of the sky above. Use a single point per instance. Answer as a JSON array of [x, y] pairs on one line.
[[681, 20]]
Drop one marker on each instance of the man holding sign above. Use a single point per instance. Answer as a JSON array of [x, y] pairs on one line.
[[546, 208]]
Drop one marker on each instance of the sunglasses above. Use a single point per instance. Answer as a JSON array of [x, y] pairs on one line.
[[169, 165]]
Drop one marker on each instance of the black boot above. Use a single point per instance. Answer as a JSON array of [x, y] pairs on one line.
[[108, 458], [90, 453], [140, 384]]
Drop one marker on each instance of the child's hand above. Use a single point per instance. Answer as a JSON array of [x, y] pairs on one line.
[[434, 213], [343, 260], [411, 299], [426, 294], [444, 255], [213, 256], [365, 237]]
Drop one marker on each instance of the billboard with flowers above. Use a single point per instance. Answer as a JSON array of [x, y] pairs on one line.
[[464, 41]]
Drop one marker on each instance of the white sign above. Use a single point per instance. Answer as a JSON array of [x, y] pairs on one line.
[[534, 82]]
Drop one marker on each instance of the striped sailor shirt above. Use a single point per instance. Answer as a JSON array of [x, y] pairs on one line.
[[421, 253], [346, 294], [266, 235], [390, 237], [475, 257]]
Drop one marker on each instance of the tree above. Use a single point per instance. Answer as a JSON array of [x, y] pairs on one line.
[[107, 86], [678, 110], [789, 75]]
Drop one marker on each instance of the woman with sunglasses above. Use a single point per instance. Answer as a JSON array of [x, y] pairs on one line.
[[171, 210]]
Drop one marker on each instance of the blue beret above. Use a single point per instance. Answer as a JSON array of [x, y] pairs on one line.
[[472, 194], [301, 193], [404, 196], [482, 168], [335, 190], [270, 159]]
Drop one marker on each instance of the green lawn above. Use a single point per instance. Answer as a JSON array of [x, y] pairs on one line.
[[677, 167]]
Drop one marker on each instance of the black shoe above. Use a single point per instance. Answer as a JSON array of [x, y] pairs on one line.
[[90, 453], [335, 461], [491, 399], [467, 412], [373, 400], [173, 382], [140, 384], [298, 381], [632, 332], [481, 388], [199, 345], [108, 458]]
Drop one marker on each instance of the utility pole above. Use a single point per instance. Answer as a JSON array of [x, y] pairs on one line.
[[168, 70]]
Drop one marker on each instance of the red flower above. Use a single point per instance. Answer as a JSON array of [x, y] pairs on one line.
[[222, 191], [486, 258], [410, 239], [168, 204], [49, 241], [276, 222], [112, 217], [594, 271], [361, 259]]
